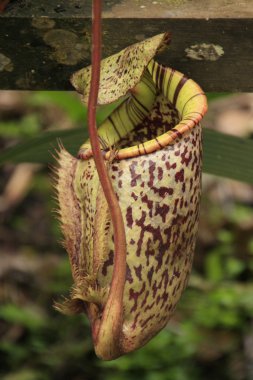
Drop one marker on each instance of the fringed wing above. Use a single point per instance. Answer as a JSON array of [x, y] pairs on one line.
[[69, 211], [85, 223]]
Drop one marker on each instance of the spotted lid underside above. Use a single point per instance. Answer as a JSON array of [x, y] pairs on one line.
[[120, 72]]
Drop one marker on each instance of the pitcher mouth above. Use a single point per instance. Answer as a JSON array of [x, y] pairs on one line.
[[179, 105], [177, 109]]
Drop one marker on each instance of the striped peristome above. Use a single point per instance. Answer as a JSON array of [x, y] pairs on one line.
[[152, 146]]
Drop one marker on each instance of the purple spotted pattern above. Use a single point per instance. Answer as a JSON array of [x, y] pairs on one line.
[[159, 195]]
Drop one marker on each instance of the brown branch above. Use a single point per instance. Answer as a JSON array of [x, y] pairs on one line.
[[107, 333]]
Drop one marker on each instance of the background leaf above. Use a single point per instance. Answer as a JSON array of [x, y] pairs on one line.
[[224, 155], [71, 105], [39, 149], [228, 156]]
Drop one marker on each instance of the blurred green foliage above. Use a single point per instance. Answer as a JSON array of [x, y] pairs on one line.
[[209, 337]]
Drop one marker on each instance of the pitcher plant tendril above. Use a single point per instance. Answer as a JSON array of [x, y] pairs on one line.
[[109, 328]]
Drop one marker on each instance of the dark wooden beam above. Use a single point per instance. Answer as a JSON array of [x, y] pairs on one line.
[[43, 42]]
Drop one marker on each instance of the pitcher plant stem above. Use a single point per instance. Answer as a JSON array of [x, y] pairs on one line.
[[113, 310]]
